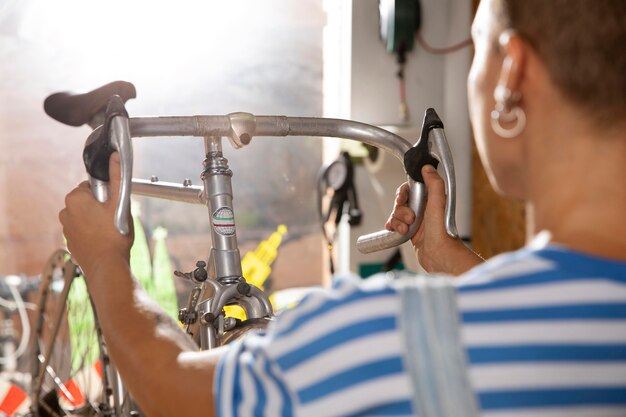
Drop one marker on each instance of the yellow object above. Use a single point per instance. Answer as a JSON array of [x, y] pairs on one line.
[[256, 266]]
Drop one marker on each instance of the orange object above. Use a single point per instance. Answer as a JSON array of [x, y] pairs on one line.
[[12, 401]]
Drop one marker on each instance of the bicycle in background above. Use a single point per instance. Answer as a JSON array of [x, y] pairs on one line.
[[15, 330]]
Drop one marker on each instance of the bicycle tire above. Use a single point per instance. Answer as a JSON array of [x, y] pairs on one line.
[[72, 373]]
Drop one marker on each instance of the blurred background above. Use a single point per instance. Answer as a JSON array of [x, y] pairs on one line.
[[192, 57], [305, 58]]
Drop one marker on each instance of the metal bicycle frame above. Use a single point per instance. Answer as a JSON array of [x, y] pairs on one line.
[[224, 263], [225, 284]]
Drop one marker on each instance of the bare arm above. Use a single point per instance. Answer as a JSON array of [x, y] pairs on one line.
[[159, 364], [435, 250]]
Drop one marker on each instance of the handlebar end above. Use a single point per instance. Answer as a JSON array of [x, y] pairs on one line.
[[377, 241]]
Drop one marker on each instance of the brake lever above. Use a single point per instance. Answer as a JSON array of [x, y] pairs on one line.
[[440, 150], [431, 148], [113, 135]]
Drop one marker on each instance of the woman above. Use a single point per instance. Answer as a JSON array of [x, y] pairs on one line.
[[543, 329], [547, 97]]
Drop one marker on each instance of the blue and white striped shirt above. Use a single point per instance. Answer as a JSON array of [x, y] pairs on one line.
[[544, 333]]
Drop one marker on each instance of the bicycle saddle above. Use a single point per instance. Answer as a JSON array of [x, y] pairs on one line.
[[79, 109]]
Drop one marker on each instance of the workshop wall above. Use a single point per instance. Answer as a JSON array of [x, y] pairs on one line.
[[365, 88]]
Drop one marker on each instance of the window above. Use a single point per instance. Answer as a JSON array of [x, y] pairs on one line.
[[188, 57]]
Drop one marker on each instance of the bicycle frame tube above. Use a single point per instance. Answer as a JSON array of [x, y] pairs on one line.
[[219, 195], [169, 191]]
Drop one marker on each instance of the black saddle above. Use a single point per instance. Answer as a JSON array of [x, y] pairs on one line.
[[79, 109]]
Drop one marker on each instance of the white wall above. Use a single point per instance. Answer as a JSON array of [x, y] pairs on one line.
[[360, 84]]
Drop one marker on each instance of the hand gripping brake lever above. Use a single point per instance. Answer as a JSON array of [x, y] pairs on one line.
[[113, 135], [431, 148]]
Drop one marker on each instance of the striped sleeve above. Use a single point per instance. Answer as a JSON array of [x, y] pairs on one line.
[[248, 383], [544, 332], [545, 335], [336, 354]]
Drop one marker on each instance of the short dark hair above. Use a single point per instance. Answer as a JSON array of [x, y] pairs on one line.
[[582, 44]]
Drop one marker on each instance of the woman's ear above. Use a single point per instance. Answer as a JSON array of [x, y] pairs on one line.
[[514, 63]]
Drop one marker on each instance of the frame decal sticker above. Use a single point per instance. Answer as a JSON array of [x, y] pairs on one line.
[[223, 220]]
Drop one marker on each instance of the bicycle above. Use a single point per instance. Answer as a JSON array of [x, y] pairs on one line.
[[15, 329], [218, 280]]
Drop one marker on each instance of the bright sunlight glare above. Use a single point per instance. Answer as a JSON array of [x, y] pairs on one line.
[[140, 39]]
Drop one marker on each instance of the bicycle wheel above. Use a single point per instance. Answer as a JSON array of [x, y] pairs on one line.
[[72, 373]]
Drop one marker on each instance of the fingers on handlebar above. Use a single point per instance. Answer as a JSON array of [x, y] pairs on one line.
[[73, 199], [402, 216], [436, 204], [402, 194], [80, 188]]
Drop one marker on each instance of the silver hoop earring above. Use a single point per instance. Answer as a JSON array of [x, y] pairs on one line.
[[516, 114], [506, 111]]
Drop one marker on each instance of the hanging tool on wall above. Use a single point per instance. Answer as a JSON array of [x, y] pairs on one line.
[[337, 199], [399, 21], [399, 27]]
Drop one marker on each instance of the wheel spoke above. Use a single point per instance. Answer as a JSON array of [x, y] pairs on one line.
[[70, 383]]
